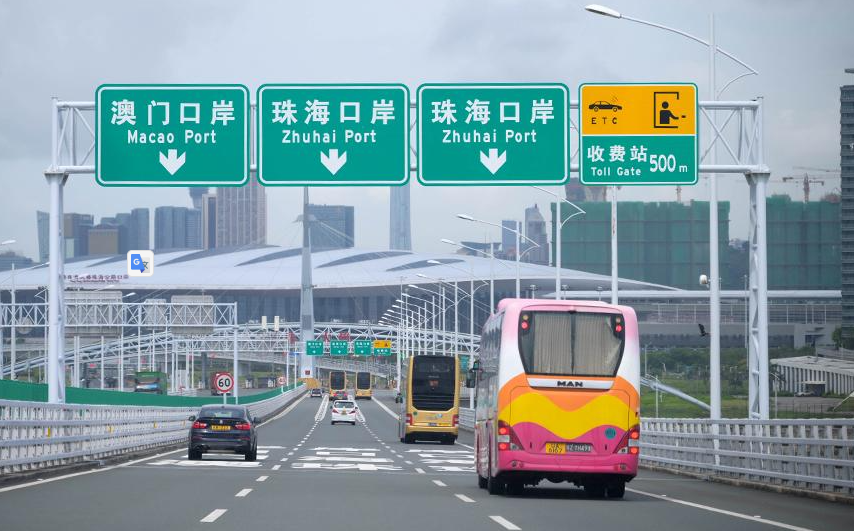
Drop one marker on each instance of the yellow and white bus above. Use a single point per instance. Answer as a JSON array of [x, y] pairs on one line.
[[363, 385], [337, 385], [430, 405]]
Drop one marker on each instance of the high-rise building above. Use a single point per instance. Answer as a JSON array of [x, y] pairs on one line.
[[196, 194], [177, 228], [105, 240], [241, 215], [400, 233], [535, 229], [208, 209], [76, 234], [508, 238], [43, 226], [846, 161], [332, 227], [138, 229]]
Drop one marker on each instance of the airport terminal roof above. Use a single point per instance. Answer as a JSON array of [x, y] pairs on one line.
[[278, 268], [815, 363]]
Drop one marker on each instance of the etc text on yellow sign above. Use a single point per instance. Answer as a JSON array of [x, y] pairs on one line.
[[643, 134]]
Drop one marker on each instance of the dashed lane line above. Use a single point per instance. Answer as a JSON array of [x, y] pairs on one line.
[[216, 513], [243, 493], [262, 478], [420, 471], [464, 498], [722, 511], [276, 467], [505, 523], [439, 483]]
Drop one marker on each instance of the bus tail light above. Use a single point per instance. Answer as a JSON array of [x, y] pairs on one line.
[[506, 438], [630, 443], [409, 419], [456, 420]]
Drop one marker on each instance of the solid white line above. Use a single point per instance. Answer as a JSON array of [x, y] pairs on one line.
[[85, 472], [262, 478], [216, 513], [420, 471], [467, 446], [464, 498], [243, 493], [386, 409], [507, 524], [283, 459], [286, 411], [276, 467], [721, 511], [437, 482]]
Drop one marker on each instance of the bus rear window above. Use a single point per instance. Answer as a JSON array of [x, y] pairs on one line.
[[571, 343], [433, 382]]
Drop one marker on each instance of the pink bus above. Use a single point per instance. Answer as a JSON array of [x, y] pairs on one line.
[[557, 396]]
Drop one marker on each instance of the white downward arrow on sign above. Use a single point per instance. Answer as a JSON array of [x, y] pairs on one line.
[[494, 161], [333, 162], [173, 162]]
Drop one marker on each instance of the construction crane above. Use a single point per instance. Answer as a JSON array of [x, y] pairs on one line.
[[807, 179]]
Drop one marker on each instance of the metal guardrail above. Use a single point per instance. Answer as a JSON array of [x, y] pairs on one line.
[[36, 435], [807, 455]]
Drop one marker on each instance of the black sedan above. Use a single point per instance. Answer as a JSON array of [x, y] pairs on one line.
[[316, 392], [223, 428], [596, 105]]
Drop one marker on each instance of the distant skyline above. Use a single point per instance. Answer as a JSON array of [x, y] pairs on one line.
[[68, 49]]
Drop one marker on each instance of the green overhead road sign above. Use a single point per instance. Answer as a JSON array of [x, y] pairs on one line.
[[382, 351], [314, 348], [172, 135], [638, 134], [493, 134], [362, 347], [338, 348], [337, 135]]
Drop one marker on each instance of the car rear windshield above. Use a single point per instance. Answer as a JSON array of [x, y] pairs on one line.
[[571, 343], [344, 404], [433, 382], [223, 413]]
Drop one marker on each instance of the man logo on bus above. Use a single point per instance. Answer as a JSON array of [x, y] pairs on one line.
[[569, 383]]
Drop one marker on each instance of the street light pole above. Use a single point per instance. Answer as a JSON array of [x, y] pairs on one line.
[[614, 255]]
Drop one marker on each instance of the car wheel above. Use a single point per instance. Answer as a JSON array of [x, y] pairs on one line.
[[251, 456], [615, 109], [193, 455], [494, 485], [595, 109], [407, 439], [481, 482]]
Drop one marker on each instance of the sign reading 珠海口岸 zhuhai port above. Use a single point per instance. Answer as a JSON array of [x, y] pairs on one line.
[[172, 135], [641, 134], [338, 135], [488, 134]]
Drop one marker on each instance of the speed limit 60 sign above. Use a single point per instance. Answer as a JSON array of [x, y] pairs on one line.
[[224, 382]]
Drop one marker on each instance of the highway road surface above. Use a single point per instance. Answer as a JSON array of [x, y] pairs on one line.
[[314, 476]]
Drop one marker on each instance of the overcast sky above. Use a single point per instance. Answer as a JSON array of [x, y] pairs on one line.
[[67, 49]]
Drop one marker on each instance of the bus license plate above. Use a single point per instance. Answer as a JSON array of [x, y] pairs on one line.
[[220, 428], [563, 448]]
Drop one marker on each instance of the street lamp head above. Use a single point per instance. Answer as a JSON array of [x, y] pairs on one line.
[[602, 10], [8, 242], [434, 262], [131, 294], [465, 217], [421, 275], [449, 242], [413, 286]]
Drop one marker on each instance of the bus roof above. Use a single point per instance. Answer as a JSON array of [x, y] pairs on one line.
[[518, 304]]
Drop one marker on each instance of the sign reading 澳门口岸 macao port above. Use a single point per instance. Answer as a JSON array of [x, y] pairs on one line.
[[337, 135], [172, 135], [488, 134], [643, 134]]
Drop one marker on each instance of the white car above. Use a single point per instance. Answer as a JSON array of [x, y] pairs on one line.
[[344, 411]]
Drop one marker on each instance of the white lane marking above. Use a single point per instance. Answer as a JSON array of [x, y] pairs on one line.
[[283, 460], [243, 493], [321, 410], [271, 447], [290, 453], [465, 445], [439, 483], [420, 471], [216, 513], [408, 462], [262, 478], [721, 511], [505, 523], [386, 409], [276, 467], [464, 498], [85, 472]]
